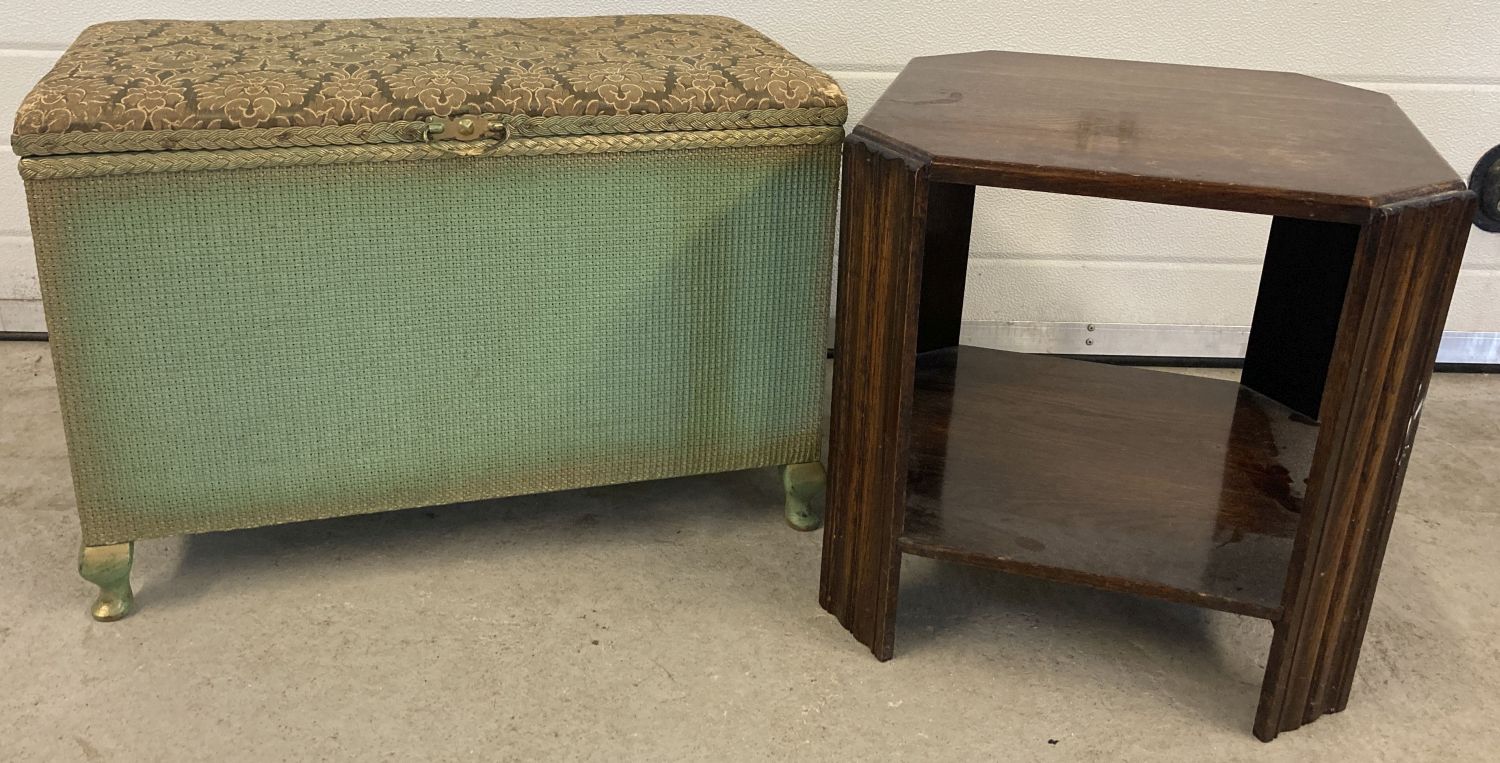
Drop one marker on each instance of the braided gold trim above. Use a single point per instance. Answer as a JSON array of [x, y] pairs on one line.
[[89, 165], [48, 144]]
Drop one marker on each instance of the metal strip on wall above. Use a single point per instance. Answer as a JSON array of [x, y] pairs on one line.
[[1171, 340], [1137, 340]]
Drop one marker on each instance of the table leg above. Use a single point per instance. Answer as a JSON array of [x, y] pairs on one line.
[[1302, 284], [1403, 267], [881, 239], [945, 265]]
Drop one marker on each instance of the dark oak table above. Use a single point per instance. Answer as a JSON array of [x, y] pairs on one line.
[[1272, 497]]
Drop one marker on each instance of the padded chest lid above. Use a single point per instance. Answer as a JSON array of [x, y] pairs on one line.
[[154, 85]]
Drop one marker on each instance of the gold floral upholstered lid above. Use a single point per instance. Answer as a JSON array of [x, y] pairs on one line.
[[173, 85]]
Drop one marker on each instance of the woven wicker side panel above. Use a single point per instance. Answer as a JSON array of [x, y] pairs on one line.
[[253, 347]]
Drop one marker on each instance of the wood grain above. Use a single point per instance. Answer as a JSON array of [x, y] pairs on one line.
[[1156, 484], [1252, 141], [1161, 486], [881, 234], [1404, 271]]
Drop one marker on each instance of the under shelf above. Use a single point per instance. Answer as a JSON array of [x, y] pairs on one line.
[[1159, 484]]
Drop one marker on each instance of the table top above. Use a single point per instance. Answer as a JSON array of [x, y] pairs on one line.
[[1252, 141]]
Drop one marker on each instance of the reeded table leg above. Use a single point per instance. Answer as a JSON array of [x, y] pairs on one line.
[[803, 483], [1401, 271], [882, 229], [109, 568]]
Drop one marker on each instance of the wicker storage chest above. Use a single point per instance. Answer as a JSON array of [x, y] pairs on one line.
[[304, 269]]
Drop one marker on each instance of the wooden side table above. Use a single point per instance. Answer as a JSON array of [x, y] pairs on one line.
[[1272, 497]]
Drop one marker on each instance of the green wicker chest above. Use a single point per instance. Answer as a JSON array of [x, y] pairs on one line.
[[305, 269]]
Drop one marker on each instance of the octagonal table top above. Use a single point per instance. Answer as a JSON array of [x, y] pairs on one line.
[[1244, 140]]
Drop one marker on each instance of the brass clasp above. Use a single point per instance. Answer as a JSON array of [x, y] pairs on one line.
[[465, 129]]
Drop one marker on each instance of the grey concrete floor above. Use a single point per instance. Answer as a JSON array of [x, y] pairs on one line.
[[679, 620]]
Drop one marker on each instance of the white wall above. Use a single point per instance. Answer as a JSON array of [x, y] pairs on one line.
[[1036, 257]]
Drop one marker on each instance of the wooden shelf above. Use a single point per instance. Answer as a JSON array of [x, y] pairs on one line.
[[1158, 484]]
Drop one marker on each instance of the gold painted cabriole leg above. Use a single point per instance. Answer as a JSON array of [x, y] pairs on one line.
[[803, 483], [109, 568]]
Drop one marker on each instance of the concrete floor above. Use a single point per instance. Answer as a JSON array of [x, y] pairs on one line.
[[679, 620]]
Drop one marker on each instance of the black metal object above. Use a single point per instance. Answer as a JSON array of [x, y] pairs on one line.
[[1485, 181]]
